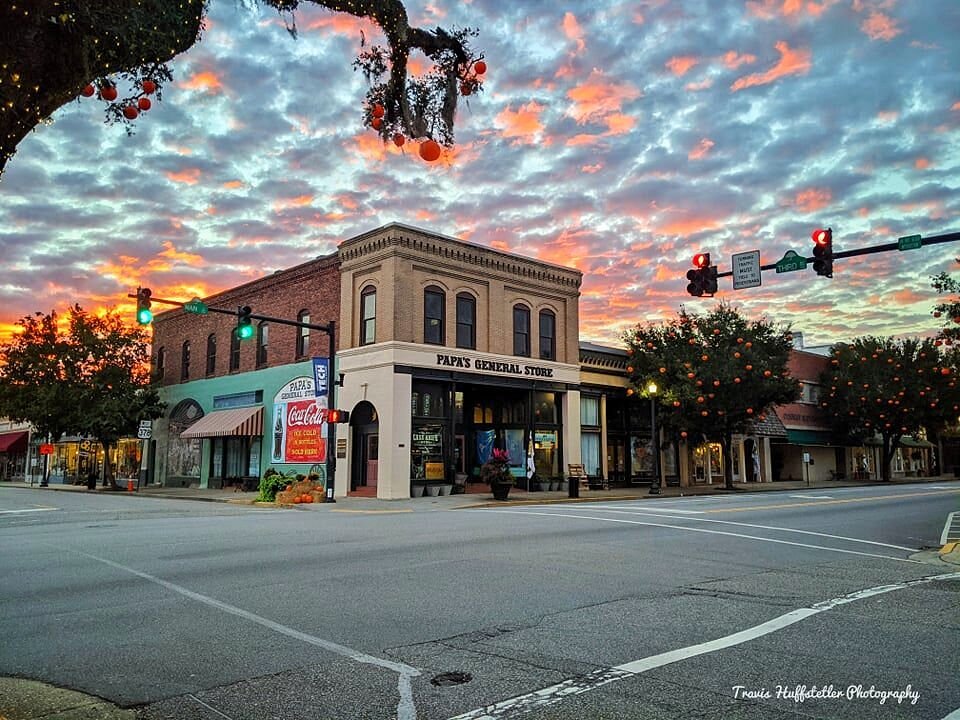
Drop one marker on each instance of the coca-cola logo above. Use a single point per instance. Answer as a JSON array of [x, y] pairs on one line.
[[311, 414]]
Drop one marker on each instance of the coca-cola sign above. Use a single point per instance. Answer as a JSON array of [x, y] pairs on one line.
[[300, 424]]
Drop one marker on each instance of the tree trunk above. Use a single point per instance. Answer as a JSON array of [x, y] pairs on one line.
[[726, 442], [890, 444]]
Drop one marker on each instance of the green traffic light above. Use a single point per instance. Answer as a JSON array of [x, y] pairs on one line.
[[144, 316], [245, 332]]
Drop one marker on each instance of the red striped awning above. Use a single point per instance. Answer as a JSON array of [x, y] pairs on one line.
[[13, 441], [222, 423]]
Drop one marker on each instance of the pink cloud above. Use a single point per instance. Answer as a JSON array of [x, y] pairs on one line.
[[204, 81], [732, 59], [770, 9], [523, 124], [573, 31], [921, 163], [813, 199], [697, 86], [701, 150], [792, 62], [188, 176], [681, 64], [880, 27], [596, 99]]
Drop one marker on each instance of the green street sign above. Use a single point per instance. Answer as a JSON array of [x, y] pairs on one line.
[[910, 242], [195, 306], [790, 262]]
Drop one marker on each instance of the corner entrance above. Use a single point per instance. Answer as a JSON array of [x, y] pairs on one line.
[[365, 463]]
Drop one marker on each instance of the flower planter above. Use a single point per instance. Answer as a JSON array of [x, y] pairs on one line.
[[416, 491], [446, 489], [500, 490], [433, 490]]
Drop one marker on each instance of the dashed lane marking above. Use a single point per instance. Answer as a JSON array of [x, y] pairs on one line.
[[814, 497], [26, 510]]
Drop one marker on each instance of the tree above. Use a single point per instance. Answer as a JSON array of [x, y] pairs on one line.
[[52, 50], [948, 309], [716, 374], [35, 379], [88, 376], [891, 388]]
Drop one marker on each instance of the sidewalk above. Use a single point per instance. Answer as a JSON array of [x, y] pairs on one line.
[[485, 499]]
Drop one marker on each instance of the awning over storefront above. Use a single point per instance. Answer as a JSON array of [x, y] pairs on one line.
[[904, 442], [13, 441], [810, 437], [222, 423]]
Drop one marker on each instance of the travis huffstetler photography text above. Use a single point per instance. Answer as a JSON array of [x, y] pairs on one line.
[[802, 693]]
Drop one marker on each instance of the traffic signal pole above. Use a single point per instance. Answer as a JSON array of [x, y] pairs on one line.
[[886, 247], [331, 330]]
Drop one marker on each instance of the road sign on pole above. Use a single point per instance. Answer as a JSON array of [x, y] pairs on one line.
[[746, 269], [910, 242], [790, 262]]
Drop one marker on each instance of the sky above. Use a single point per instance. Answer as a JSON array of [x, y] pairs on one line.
[[619, 138]]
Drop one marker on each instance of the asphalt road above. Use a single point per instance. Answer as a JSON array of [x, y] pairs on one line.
[[664, 608]]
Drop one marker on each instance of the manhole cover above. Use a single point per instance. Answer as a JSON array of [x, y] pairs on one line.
[[451, 678]]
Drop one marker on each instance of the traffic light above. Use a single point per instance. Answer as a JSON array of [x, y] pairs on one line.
[[703, 278], [144, 314], [823, 252], [338, 416], [244, 324]]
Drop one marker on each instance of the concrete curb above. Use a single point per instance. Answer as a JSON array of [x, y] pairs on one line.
[[31, 700], [950, 553]]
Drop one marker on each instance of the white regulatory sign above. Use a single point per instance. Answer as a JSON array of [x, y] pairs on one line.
[[746, 269], [144, 433]]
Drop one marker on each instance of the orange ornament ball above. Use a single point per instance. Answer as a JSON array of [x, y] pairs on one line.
[[736, 380], [144, 104], [662, 370], [945, 371], [683, 433], [376, 123], [108, 93], [88, 90], [399, 140], [149, 86], [430, 150], [749, 411], [378, 110], [130, 112], [767, 373], [704, 357], [480, 67]]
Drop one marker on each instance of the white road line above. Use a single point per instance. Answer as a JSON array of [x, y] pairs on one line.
[[955, 715], [772, 527], [17, 512], [406, 710], [813, 497], [710, 532], [523, 704]]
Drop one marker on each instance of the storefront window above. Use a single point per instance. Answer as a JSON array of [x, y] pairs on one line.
[[426, 452], [545, 408], [546, 455], [590, 452], [589, 411]]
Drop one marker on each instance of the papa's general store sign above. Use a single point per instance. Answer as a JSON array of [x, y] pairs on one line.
[[299, 424]]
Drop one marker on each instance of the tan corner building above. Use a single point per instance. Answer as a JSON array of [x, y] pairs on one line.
[[447, 350]]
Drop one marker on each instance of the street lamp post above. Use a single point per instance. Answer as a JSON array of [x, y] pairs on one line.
[[655, 483]]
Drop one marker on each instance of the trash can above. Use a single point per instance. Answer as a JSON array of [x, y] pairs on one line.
[[91, 481]]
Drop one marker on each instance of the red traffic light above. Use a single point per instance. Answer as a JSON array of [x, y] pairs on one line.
[[821, 237], [701, 260], [338, 416]]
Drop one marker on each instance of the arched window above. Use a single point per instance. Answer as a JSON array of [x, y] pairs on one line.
[[161, 362], [234, 351], [185, 361], [548, 335], [521, 330], [262, 341], [434, 305], [368, 315], [466, 321], [303, 336], [211, 354]]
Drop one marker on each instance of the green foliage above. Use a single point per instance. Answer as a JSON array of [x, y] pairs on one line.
[[716, 374], [273, 482], [89, 376], [890, 388], [948, 308]]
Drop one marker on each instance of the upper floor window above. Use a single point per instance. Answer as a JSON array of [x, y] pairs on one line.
[[810, 393], [521, 330], [303, 336], [434, 302], [466, 321], [185, 361], [211, 354], [548, 335], [161, 362], [368, 315], [262, 341], [234, 351]]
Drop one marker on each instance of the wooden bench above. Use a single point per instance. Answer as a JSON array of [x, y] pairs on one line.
[[576, 473]]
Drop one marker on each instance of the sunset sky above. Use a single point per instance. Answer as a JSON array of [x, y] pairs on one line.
[[619, 138]]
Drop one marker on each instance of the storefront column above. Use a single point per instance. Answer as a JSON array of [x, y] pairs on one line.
[[604, 464], [571, 430], [767, 472]]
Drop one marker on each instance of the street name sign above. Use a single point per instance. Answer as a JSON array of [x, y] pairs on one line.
[[790, 262], [910, 242], [195, 306], [746, 269]]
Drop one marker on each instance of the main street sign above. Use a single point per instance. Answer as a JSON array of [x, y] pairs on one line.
[[195, 306], [910, 242], [746, 269], [790, 262]]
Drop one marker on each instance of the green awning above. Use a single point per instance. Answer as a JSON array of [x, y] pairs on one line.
[[809, 437], [910, 442]]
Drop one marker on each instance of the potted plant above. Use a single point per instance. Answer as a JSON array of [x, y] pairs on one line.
[[496, 473]]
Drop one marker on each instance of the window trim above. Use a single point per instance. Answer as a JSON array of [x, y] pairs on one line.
[[234, 351], [211, 354], [368, 291], [303, 334], [185, 360], [524, 351], [553, 337], [437, 292], [263, 341], [473, 320]]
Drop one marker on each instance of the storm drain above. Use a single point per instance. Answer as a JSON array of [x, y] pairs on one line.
[[951, 531], [451, 678]]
